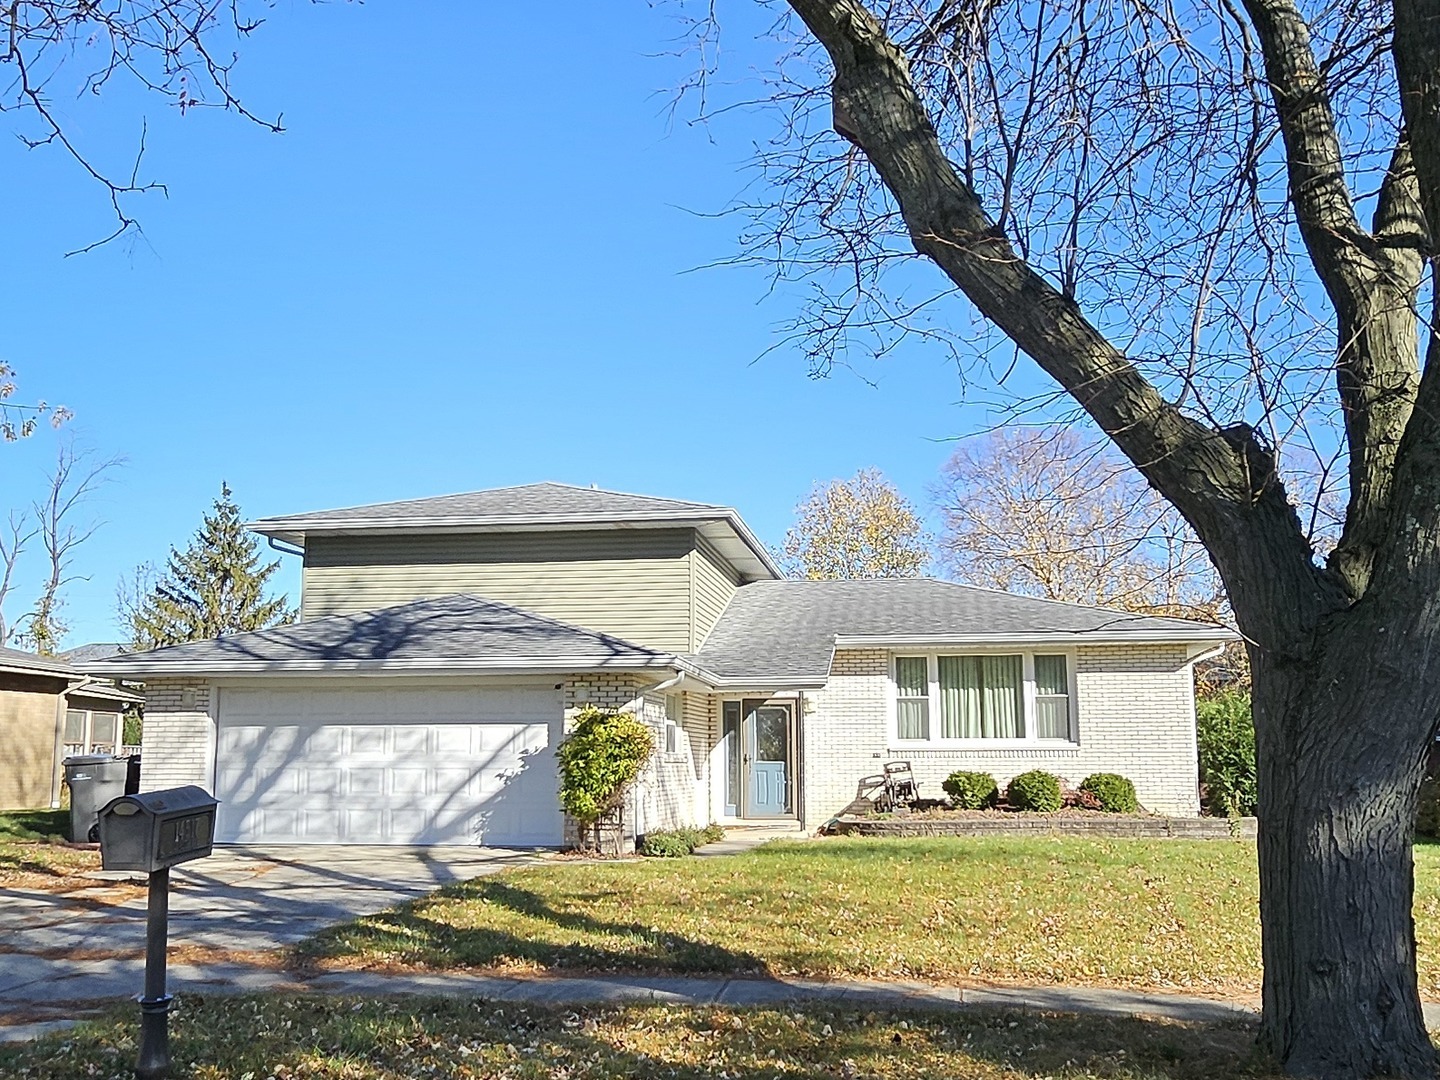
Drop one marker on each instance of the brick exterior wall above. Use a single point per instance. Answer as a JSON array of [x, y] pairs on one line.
[[179, 735], [1135, 716], [842, 733], [673, 790]]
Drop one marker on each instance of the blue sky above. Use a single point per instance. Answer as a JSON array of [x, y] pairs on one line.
[[465, 264]]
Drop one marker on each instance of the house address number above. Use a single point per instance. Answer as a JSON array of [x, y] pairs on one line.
[[185, 834]]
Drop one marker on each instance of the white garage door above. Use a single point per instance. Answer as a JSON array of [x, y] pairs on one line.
[[367, 764]]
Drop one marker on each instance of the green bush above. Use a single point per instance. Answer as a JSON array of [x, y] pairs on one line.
[[1226, 738], [1036, 790], [1115, 794], [668, 843], [599, 760], [1427, 814], [674, 843], [971, 790]]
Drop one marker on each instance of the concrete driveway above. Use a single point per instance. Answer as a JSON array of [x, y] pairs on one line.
[[57, 947]]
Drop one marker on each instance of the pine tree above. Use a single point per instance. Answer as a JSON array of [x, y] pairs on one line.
[[215, 586]]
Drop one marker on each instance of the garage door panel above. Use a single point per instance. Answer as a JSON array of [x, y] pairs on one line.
[[389, 765]]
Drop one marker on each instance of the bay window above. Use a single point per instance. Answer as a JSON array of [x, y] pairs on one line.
[[1016, 696]]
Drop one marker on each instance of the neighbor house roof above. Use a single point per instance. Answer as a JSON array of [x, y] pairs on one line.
[[447, 635], [786, 632], [531, 507], [95, 650], [24, 663]]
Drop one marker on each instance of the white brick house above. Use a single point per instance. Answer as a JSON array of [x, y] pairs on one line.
[[445, 643]]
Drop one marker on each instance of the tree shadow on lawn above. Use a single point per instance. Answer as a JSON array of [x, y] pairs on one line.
[[408, 934], [453, 1037]]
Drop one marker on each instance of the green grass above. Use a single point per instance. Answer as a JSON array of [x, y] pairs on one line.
[[33, 853], [41, 825], [277, 1037], [1171, 914]]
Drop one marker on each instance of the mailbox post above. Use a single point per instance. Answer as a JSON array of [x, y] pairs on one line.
[[153, 832]]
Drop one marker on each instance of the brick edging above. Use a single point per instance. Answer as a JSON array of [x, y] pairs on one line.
[[1142, 826]]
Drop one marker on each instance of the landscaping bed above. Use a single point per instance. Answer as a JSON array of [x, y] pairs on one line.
[[285, 1037], [1066, 822]]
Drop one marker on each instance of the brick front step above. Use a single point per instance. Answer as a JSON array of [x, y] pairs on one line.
[[1141, 826]]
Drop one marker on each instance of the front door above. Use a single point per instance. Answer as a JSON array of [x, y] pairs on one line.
[[767, 759]]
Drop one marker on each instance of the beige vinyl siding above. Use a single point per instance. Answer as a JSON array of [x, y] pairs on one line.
[[633, 583], [713, 583], [28, 715]]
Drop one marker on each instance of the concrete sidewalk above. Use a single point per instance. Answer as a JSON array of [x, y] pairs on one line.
[[62, 990]]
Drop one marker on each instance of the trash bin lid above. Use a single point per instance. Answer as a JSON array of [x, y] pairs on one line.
[[88, 759]]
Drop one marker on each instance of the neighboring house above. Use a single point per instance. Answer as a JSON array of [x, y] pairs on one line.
[[48, 711], [444, 643]]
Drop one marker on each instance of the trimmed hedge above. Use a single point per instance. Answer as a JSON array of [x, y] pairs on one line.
[[1114, 792], [971, 790], [677, 843], [1037, 790]]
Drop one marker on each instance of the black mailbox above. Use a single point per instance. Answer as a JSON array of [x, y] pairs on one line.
[[157, 829]]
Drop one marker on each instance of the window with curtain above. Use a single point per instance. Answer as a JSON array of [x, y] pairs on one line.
[[1052, 698], [912, 697], [982, 697]]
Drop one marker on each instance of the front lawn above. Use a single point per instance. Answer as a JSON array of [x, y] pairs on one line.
[[1170, 914], [34, 853], [286, 1038]]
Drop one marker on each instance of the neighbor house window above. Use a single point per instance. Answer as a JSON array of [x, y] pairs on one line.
[[912, 697], [1016, 696]]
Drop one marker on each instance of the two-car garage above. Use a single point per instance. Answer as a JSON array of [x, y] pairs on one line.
[[372, 762]]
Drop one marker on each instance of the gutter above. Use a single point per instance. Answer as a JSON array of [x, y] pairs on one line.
[[1044, 637], [379, 667]]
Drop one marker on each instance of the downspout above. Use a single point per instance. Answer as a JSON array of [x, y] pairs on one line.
[[284, 548]]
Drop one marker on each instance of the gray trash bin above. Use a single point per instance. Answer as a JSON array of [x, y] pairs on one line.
[[94, 780]]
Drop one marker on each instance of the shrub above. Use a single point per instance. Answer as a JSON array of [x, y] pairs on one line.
[[971, 790], [1427, 814], [1115, 794], [1036, 790], [599, 760], [1226, 738], [674, 843], [669, 843]]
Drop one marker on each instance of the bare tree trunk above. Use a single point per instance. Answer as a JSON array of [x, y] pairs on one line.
[[1337, 813]]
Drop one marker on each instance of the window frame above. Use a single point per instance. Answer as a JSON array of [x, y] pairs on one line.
[[1029, 717], [673, 745]]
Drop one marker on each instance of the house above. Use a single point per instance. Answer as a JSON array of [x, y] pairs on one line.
[[48, 711], [443, 643]]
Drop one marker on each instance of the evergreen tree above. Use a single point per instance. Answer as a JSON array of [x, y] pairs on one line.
[[215, 586]]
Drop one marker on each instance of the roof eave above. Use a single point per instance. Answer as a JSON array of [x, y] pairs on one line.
[[479, 666], [294, 530], [1046, 637]]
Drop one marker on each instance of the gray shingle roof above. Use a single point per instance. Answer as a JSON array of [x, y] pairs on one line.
[[16, 660], [450, 633], [535, 502], [776, 631]]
